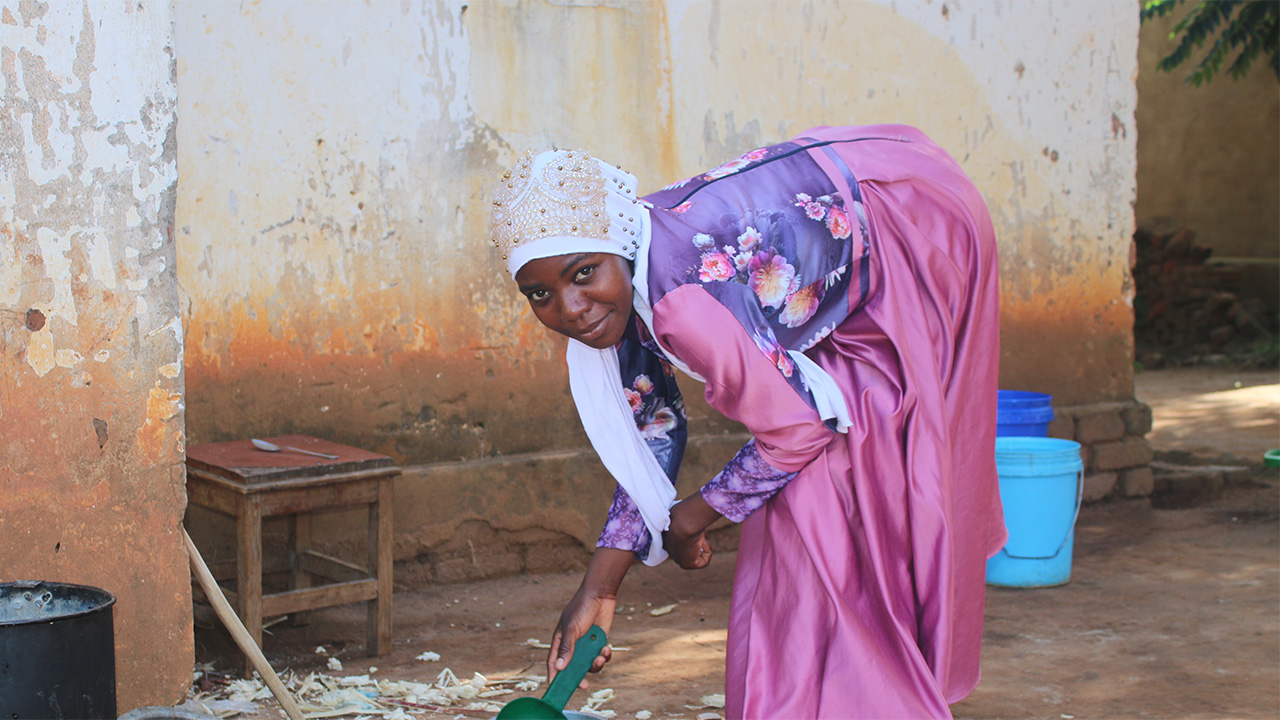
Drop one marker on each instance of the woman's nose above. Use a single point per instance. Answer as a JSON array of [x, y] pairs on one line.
[[574, 304]]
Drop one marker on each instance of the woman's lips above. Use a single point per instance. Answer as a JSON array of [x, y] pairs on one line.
[[594, 331]]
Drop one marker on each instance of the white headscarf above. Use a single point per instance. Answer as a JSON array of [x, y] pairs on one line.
[[565, 201], [550, 204]]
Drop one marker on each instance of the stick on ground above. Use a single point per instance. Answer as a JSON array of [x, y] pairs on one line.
[[238, 631]]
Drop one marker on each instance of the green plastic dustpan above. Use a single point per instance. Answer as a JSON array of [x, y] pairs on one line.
[[551, 706]]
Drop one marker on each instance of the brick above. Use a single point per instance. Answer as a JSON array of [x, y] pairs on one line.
[[1136, 482], [1137, 418], [1186, 488], [1237, 475], [1100, 425], [1099, 485], [1062, 426], [1126, 453]]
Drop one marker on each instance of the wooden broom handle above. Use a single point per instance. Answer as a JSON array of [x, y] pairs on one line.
[[238, 631]]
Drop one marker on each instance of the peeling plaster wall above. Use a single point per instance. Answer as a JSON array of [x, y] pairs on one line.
[[336, 157], [91, 411]]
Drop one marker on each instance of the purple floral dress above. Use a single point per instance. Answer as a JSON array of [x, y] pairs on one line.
[[770, 238]]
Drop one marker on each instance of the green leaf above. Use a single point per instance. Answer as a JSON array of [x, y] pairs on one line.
[[1243, 28]]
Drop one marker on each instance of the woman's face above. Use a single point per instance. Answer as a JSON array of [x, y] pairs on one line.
[[586, 296]]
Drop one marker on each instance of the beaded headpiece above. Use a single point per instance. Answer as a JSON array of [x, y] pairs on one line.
[[564, 201]]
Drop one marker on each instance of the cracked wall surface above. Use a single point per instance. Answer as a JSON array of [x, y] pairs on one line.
[[332, 220], [91, 397]]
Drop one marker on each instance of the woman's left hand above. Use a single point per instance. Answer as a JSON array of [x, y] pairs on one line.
[[686, 540]]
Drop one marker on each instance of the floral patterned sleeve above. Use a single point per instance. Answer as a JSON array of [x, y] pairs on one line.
[[649, 384], [745, 484], [624, 529]]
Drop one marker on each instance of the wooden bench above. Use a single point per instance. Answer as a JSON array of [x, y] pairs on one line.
[[238, 480]]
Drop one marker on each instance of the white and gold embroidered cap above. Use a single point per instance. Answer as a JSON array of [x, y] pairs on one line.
[[565, 201]]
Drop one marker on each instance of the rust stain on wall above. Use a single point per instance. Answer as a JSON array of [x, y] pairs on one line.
[[354, 296], [416, 405], [154, 439], [90, 420]]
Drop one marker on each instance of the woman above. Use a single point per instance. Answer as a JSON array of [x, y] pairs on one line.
[[837, 294]]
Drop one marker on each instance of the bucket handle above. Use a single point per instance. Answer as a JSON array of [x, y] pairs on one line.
[[1070, 528]]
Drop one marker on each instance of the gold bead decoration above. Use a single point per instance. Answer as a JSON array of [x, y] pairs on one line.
[[565, 196]]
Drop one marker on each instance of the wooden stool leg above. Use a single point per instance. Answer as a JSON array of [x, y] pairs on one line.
[[382, 563], [300, 530], [249, 569]]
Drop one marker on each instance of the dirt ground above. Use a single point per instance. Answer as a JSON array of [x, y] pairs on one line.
[[1168, 614]]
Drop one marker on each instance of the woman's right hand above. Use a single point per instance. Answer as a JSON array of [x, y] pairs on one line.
[[583, 611], [593, 604]]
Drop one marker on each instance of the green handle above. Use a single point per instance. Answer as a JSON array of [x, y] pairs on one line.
[[585, 652]]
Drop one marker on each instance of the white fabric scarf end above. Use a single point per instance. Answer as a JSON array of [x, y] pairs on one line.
[[594, 379]]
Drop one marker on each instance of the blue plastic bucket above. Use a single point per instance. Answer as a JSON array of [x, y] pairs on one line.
[[1041, 483], [1023, 414]]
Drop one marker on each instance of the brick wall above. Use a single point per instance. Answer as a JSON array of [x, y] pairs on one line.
[[1113, 444]]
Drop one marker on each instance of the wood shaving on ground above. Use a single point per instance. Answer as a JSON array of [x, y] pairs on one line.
[[428, 657], [598, 699], [325, 696], [662, 610], [715, 700]]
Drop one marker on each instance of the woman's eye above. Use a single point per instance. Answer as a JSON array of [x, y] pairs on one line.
[[584, 273], [537, 295]]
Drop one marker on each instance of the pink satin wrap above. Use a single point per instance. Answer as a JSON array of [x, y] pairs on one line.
[[859, 588]]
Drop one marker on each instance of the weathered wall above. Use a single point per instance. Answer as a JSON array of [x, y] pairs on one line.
[[91, 427], [332, 216], [1209, 156]]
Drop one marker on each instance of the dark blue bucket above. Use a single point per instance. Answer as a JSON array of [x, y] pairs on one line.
[[1023, 414]]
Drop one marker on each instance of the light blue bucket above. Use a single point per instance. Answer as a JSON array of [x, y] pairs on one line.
[[1023, 413], [1041, 484]]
